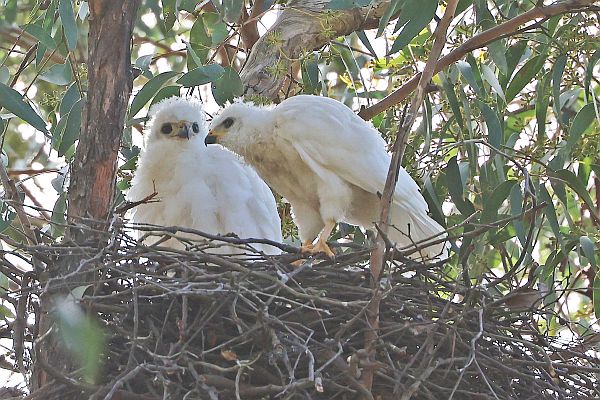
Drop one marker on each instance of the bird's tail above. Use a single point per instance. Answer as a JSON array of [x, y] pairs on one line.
[[409, 227]]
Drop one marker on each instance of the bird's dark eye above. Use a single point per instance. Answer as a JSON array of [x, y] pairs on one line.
[[166, 129], [195, 127], [227, 123]]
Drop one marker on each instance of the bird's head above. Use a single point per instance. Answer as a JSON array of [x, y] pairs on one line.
[[238, 125], [177, 118]]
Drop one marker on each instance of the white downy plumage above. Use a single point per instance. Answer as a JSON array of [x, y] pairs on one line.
[[329, 164], [204, 188]]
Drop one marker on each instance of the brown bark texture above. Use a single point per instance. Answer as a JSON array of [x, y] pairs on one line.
[[301, 27], [92, 186]]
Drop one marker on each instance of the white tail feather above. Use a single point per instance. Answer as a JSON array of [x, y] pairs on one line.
[[409, 227]]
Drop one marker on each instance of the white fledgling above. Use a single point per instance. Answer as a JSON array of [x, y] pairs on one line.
[[204, 188], [329, 164]]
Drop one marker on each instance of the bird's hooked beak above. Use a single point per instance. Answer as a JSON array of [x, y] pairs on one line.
[[184, 130], [213, 137]]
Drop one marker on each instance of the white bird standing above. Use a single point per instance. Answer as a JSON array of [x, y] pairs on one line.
[[204, 188], [329, 164]]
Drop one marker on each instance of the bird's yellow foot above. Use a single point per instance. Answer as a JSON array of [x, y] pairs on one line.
[[323, 247]]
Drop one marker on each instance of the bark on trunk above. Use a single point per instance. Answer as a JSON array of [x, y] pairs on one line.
[[302, 27], [94, 168]]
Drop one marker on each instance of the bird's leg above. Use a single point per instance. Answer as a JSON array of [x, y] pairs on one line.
[[321, 246], [307, 246]]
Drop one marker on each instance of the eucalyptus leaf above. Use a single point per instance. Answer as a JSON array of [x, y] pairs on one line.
[[13, 102], [67, 17], [148, 91]]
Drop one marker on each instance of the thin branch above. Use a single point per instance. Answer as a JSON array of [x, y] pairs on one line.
[[500, 31]]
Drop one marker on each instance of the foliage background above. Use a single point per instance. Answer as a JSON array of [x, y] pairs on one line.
[[510, 127]]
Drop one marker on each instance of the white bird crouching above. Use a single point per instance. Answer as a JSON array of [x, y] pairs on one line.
[[204, 188], [329, 164]]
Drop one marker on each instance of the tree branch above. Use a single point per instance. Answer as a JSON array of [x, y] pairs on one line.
[[377, 259], [302, 26], [505, 29]]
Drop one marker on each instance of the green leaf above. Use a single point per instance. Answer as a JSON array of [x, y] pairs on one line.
[[3, 283], [58, 216], [596, 295], [589, 72], [385, 18], [456, 186], [79, 291], [581, 123], [492, 80], [550, 213], [574, 183], [589, 249], [65, 11], [524, 76], [494, 127], [164, 93], [72, 128], [365, 41], [13, 102], [4, 74], [6, 312], [557, 73], [452, 99], [202, 75], [58, 74], [346, 4], [41, 35], [493, 203], [215, 28], [467, 72], [47, 25], [82, 336], [414, 17], [311, 74], [232, 10], [148, 91], [541, 107], [227, 87], [169, 12]]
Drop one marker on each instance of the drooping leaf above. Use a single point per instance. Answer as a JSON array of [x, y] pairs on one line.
[[41, 35], [13, 102], [67, 17], [467, 73], [3, 283], [589, 72], [82, 336], [148, 91], [494, 127], [493, 202], [451, 96], [215, 28], [557, 73], [456, 185], [227, 87], [524, 76], [165, 93], [589, 249], [492, 80], [58, 216], [542, 100], [581, 123], [575, 183], [169, 13], [550, 213], [58, 74], [232, 10], [72, 128], [202, 75], [414, 17]]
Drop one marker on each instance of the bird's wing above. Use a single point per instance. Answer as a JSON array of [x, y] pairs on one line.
[[328, 135], [247, 206]]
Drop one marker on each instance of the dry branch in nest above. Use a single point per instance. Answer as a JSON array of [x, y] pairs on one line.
[[187, 324]]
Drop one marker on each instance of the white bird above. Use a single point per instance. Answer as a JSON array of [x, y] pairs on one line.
[[329, 164], [204, 188]]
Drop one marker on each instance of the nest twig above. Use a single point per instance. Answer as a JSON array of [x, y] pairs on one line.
[[188, 324]]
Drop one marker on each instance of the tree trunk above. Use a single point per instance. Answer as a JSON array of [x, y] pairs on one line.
[[94, 168], [303, 26]]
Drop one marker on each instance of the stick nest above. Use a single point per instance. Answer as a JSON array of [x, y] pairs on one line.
[[187, 324]]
